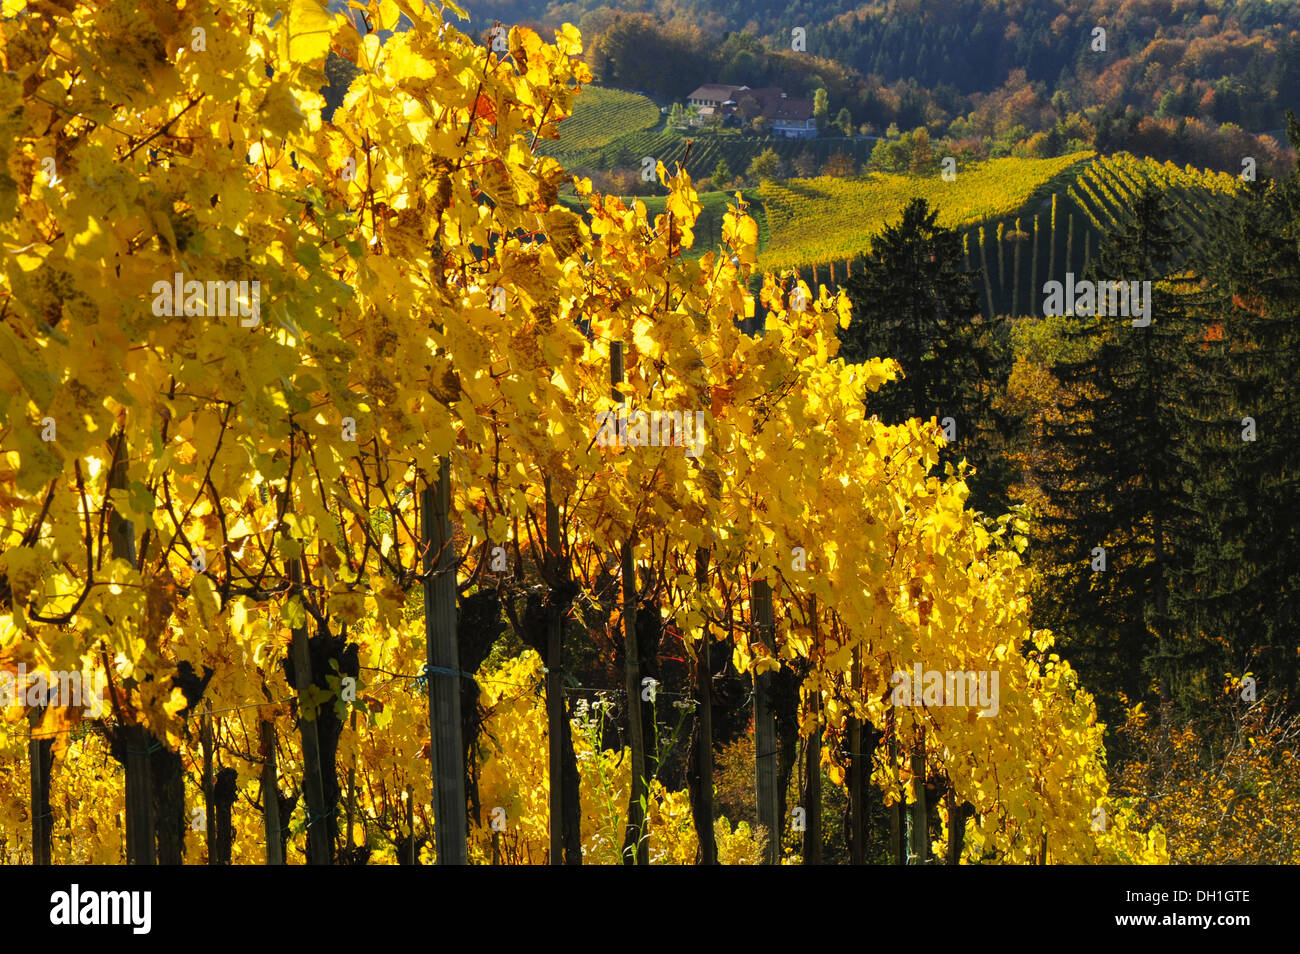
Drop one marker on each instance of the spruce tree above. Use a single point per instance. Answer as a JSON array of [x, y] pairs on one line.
[[914, 301], [1116, 479], [1241, 598]]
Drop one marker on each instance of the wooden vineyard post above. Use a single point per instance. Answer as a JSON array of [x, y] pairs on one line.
[[225, 791], [920, 818], [1052, 238], [636, 847], [40, 754], [897, 849], [984, 265], [704, 746], [1033, 268], [35, 756], [445, 749], [137, 741], [812, 835], [318, 848], [352, 788], [555, 714], [209, 806], [857, 773], [1002, 258], [1015, 272], [1069, 242], [765, 727], [270, 795]]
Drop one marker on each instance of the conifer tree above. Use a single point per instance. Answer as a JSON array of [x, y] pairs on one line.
[[1242, 598], [914, 301], [1117, 481]]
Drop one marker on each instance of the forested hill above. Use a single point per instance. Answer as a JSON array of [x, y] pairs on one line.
[[1219, 61]]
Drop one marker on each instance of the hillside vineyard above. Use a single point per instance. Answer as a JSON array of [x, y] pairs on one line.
[[428, 437]]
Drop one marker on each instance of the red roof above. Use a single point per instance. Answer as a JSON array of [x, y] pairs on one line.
[[716, 91], [773, 104]]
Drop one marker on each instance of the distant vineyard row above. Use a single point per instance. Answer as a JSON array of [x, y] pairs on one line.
[[1023, 221], [1106, 191], [815, 221], [600, 116], [1043, 240]]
